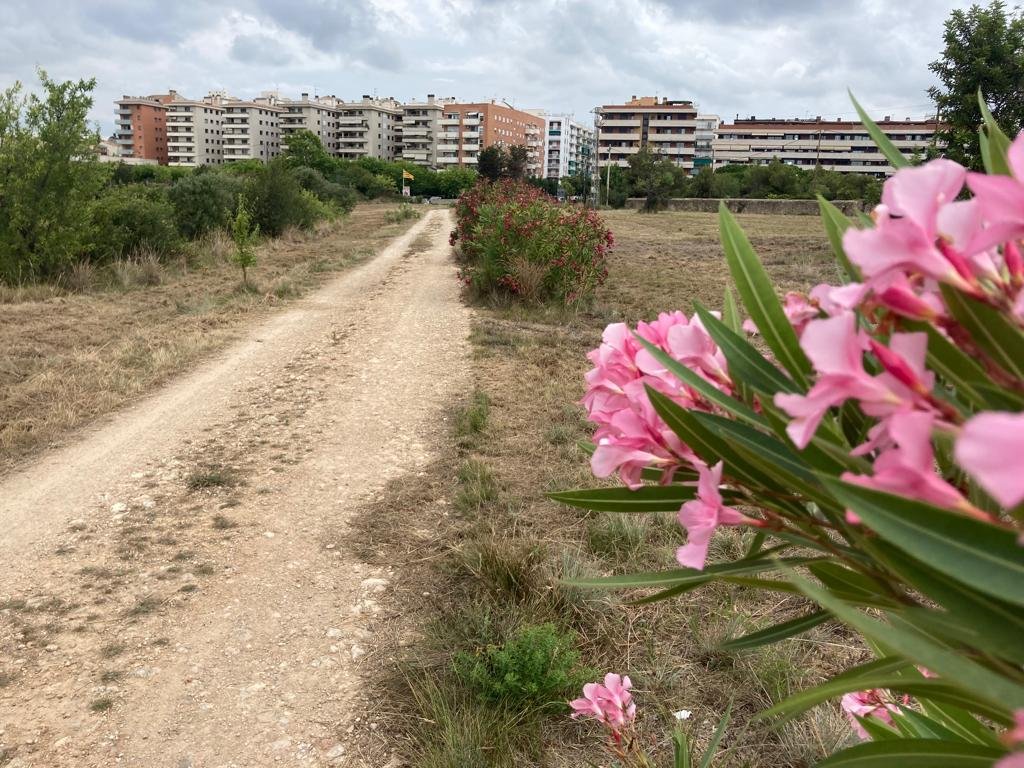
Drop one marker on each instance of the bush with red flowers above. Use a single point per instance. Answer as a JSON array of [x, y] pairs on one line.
[[516, 240]]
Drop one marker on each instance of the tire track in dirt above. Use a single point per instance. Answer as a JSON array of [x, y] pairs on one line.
[[176, 589]]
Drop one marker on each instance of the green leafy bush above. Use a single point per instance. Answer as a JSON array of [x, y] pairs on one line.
[[517, 241], [277, 201], [536, 669], [203, 202], [341, 198], [129, 219]]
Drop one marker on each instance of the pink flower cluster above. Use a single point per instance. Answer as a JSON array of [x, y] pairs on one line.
[[609, 702], [923, 237], [630, 435]]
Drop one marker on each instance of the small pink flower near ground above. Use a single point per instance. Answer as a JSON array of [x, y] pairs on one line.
[[866, 704], [609, 702], [991, 450]]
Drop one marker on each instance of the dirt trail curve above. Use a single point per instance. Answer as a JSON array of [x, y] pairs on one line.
[[176, 589]]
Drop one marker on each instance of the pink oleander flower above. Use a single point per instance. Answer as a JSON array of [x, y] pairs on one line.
[[1000, 200], [835, 347], [609, 703], [1016, 760], [907, 467], [915, 227], [865, 704], [703, 515], [630, 436], [990, 449], [1014, 737]]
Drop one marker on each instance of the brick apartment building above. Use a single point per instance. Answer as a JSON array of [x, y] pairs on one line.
[[667, 126], [465, 129], [142, 127], [835, 145]]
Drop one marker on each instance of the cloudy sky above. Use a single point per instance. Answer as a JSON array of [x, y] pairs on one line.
[[779, 58]]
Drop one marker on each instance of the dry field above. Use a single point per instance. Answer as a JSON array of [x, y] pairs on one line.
[[494, 561], [67, 356]]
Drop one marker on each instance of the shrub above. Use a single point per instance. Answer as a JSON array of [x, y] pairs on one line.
[[518, 241], [131, 218], [536, 669], [403, 212], [204, 202], [872, 441], [277, 201], [341, 198], [244, 233]]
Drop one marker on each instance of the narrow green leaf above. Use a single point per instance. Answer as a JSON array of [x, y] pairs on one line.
[[731, 312], [995, 143], [924, 727], [886, 665], [777, 632], [836, 224], [746, 364], [851, 586], [706, 445], [885, 146], [983, 556], [650, 498], [979, 621], [989, 329], [960, 722], [958, 672], [726, 402], [758, 295], [716, 738], [914, 753], [678, 576], [879, 731], [680, 749]]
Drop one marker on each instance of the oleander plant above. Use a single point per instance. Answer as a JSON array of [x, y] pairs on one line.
[[870, 436]]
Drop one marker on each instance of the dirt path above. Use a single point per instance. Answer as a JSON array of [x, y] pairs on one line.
[[176, 589]]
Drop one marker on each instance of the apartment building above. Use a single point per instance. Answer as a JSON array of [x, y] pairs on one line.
[[836, 145], [142, 127], [252, 129], [465, 129], [704, 141], [419, 130], [667, 126], [570, 147], [369, 128], [318, 115], [195, 131]]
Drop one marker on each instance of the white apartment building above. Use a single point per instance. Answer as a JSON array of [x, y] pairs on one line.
[[704, 146], [318, 115], [252, 130], [368, 128], [420, 129], [195, 131], [835, 145], [570, 147]]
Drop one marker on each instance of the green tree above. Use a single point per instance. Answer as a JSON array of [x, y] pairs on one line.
[[984, 49], [452, 182], [490, 162], [516, 159], [204, 201], [306, 149], [49, 174], [245, 233], [654, 177]]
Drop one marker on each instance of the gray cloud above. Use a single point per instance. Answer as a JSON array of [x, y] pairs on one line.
[[763, 57]]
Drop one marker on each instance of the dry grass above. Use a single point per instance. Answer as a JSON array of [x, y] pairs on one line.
[[68, 356], [495, 552]]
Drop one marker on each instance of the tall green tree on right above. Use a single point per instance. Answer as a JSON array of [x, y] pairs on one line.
[[984, 49]]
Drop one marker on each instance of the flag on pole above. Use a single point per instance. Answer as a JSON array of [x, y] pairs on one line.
[[407, 175]]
